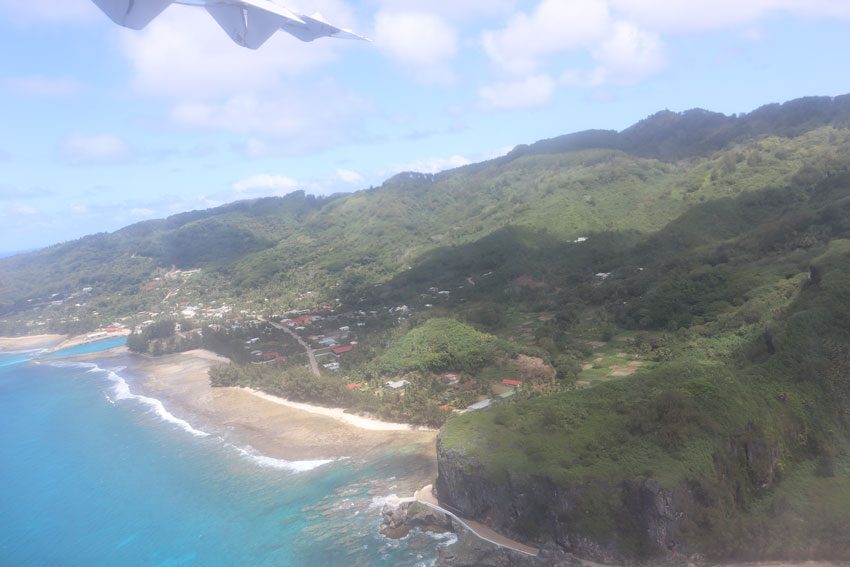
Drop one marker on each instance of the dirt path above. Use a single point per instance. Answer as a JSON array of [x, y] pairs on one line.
[[426, 496], [314, 365]]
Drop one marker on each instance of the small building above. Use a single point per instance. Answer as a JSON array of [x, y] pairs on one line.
[[480, 405], [333, 366], [397, 384], [353, 386], [514, 383], [342, 349], [445, 408]]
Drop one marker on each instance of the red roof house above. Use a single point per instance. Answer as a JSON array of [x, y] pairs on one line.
[[352, 386], [512, 382], [342, 349]]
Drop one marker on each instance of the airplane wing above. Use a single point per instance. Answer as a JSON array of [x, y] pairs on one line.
[[133, 14], [316, 26], [250, 23]]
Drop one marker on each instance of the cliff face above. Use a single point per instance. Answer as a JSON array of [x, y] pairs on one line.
[[631, 520]]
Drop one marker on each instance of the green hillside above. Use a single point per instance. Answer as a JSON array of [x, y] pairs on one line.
[[565, 190], [658, 318]]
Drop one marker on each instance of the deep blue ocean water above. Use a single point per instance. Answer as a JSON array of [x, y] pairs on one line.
[[91, 476]]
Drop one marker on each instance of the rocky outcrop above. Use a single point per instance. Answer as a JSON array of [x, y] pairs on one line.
[[632, 520], [399, 520], [612, 523], [471, 551]]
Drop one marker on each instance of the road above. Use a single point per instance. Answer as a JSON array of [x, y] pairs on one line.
[[426, 496], [314, 365]]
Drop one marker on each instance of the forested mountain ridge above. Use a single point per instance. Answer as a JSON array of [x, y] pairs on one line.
[[569, 186], [674, 296]]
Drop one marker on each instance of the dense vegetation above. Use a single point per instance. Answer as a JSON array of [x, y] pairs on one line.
[[748, 301], [674, 297], [438, 345], [278, 249], [162, 337]]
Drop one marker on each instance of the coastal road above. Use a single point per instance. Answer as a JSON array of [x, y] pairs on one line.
[[314, 365], [426, 496]]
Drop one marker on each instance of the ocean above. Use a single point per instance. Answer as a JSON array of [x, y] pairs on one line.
[[93, 474]]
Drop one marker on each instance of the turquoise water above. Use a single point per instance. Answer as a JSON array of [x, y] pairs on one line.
[[91, 475]]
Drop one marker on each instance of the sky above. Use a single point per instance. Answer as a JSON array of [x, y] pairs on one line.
[[102, 126]]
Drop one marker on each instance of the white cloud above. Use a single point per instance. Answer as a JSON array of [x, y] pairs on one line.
[[184, 54], [431, 165], [79, 209], [295, 120], [565, 34], [553, 27], [421, 42], [139, 212], [37, 85], [454, 10], [626, 57], [99, 148], [350, 176], [264, 185], [531, 91], [48, 10], [676, 16]]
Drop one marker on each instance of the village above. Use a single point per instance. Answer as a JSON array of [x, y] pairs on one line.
[[330, 339]]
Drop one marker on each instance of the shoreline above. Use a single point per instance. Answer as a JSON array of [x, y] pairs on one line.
[[77, 340], [30, 342], [339, 414], [269, 425]]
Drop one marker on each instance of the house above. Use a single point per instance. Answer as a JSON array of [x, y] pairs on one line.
[[514, 383], [397, 384], [328, 342], [352, 386], [345, 329], [480, 405], [445, 408], [342, 349], [334, 366], [508, 394]]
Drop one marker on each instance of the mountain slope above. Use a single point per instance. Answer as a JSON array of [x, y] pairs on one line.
[[674, 297]]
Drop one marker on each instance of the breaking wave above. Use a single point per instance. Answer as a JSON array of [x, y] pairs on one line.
[[120, 390]]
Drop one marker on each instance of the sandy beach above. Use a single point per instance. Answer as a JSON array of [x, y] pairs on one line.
[[273, 426], [340, 415], [30, 342], [78, 340]]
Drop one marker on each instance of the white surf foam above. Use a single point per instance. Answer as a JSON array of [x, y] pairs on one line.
[[378, 502], [444, 539], [121, 391], [282, 464]]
